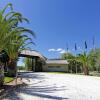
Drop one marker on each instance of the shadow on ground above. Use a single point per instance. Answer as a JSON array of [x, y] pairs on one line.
[[44, 91]]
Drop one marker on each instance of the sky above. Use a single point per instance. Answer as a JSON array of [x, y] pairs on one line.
[[58, 23]]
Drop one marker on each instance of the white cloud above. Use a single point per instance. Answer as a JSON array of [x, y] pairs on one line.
[[52, 50], [62, 51], [59, 49]]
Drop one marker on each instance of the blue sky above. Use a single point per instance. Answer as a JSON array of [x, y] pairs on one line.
[[57, 22]]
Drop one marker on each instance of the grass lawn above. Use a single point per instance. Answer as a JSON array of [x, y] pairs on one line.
[[94, 74], [91, 73], [8, 79], [58, 73]]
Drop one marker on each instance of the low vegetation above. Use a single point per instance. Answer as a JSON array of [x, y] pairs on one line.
[[84, 62], [8, 79]]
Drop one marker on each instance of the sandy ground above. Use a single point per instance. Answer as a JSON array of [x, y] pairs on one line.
[[47, 86]]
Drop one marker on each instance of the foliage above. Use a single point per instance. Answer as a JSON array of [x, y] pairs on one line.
[[8, 79], [84, 58], [15, 38], [67, 56], [4, 56], [12, 32], [21, 67], [72, 62], [89, 61], [94, 59], [28, 63]]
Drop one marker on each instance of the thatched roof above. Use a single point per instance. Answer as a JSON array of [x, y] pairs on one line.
[[32, 53], [57, 61]]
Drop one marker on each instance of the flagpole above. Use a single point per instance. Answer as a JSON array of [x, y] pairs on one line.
[[94, 51], [76, 65], [93, 43], [67, 48], [75, 57], [85, 47]]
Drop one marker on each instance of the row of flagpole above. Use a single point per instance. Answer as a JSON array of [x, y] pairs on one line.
[[85, 45], [85, 50]]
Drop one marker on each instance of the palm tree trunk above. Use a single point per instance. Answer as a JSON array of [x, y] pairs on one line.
[[1, 74], [86, 70], [12, 68]]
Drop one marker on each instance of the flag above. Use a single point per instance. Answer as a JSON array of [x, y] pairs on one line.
[[75, 47], [85, 45]]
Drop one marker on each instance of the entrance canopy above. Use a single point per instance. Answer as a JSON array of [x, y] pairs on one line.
[[32, 53]]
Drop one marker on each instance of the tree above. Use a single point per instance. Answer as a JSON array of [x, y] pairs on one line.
[[72, 62], [17, 40], [3, 59], [67, 56], [94, 59], [13, 35], [14, 50], [83, 58]]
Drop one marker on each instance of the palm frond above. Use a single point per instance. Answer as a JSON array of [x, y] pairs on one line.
[[8, 5]]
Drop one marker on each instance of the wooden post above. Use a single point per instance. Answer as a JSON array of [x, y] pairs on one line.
[[16, 77], [32, 65]]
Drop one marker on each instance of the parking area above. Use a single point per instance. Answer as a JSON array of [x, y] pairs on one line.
[[53, 86]]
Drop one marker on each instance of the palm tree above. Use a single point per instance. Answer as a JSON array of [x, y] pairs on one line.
[[18, 40], [3, 41], [83, 58], [13, 38], [13, 51], [94, 59]]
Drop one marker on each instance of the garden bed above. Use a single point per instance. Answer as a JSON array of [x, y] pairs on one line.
[[8, 79]]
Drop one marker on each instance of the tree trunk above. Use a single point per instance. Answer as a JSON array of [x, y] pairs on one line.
[[1, 75], [12, 68], [86, 70]]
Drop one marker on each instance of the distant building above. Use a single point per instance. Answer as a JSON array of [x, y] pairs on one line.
[[56, 65], [41, 63]]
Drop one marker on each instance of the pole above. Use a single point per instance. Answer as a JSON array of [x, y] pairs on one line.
[[32, 64], [94, 52], [67, 48], [75, 58], [76, 65], [16, 76]]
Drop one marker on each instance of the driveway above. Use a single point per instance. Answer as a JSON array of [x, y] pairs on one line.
[[49, 86]]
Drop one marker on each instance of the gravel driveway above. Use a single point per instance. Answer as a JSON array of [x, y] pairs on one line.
[[48, 86]]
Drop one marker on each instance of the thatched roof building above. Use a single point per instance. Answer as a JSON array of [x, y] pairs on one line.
[[32, 53]]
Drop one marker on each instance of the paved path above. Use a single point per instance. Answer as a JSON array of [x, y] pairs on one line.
[[47, 86]]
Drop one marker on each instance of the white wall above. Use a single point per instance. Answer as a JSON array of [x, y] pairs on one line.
[[55, 67]]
